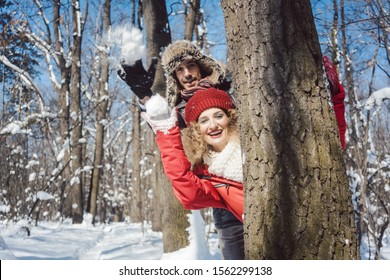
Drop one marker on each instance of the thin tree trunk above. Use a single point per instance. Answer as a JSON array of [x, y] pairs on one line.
[[136, 202], [359, 159], [101, 112], [63, 105], [333, 35], [175, 221], [75, 195], [191, 19]]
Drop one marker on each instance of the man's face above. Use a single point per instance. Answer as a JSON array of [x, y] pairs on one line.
[[188, 74]]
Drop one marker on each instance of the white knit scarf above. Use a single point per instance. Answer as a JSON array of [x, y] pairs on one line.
[[228, 163]]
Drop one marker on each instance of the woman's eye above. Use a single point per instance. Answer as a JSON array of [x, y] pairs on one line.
[[202, 121]]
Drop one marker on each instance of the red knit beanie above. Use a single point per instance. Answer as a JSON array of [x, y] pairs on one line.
[[206, 99]]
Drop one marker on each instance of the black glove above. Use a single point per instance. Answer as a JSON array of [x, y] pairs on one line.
[[226, 83], [137, 78]]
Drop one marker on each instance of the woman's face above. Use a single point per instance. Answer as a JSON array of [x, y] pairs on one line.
[[214, 128]]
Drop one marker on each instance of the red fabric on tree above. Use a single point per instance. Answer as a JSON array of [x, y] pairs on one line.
[[332, 75], [339, 109]]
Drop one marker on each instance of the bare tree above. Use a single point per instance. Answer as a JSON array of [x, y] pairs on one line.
[[191, 18], [62, 54], [101, 116], [174, 217], [74, 202], [297, 201], [62, 89], [136, 200]]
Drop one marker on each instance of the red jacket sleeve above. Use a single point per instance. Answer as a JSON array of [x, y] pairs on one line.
[[193, 192], [339, 108]]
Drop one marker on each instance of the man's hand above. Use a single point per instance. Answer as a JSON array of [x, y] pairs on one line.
[[332, 75], [137, 78]]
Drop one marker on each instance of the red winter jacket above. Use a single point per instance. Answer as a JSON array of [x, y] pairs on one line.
[[199, 189]]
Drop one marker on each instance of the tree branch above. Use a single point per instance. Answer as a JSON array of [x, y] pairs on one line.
[[26, 78]]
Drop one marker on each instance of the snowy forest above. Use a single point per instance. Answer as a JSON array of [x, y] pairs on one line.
[[71, 138]]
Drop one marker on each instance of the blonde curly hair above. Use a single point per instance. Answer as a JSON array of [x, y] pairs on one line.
[[194, 144]]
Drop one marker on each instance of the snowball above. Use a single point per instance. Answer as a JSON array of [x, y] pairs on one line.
[[130, 41], [157, 107]]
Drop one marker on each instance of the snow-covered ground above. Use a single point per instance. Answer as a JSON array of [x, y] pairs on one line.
[[137, 252], [116, 241], [53, 241]]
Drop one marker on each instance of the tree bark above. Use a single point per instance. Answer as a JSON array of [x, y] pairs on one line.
[[191, 19], [158, 36], [297, 202], [333, 36], [357, 133], [175, 221], [75, 194], [101, 115], [136, 202], [63, 100]]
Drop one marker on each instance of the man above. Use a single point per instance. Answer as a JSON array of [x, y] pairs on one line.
[[188, 70]]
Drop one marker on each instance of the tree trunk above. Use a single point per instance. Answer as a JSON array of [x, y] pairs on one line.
[[101, 115], [357, 145], [136, 201], [333, 35], [191, 19], [297, 202], [175, 221], [63, 102], [158, 36], [75, 194]]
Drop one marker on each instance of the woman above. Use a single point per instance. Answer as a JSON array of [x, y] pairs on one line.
[[213, 178]]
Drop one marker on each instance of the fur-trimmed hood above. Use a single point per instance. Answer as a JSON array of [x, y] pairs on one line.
[[183, 50]]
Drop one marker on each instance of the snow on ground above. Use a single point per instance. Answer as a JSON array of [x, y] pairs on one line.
[[137, 252], [115, 241], [54, 241]]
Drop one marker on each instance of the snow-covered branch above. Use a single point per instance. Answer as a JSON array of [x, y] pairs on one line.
[[119, 131], [48, 54], [377, 98], [41, 44], [45, 20], [26, 78], [21, 127], [78, 18]]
